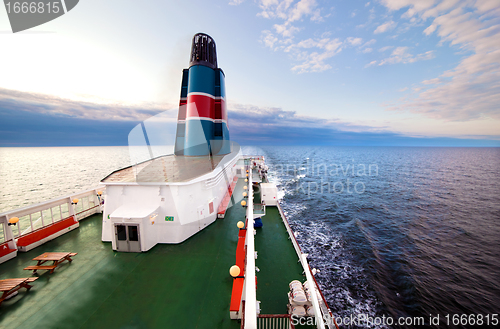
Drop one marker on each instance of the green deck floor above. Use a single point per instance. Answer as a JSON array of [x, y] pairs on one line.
[[278, 263], [171, 286]]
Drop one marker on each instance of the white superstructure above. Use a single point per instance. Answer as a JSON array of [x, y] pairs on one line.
[[165, 200]]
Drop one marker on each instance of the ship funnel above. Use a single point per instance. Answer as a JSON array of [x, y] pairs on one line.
[[202, 121], [203, 51]]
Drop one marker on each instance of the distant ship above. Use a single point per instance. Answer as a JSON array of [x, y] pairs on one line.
[[198, 237]]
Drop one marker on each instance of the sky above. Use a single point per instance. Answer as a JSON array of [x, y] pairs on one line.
[[298, 72]]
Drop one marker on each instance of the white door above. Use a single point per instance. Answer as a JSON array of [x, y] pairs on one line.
[[127, 238]]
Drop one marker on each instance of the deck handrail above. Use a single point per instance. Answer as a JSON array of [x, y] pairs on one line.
[[40, 221], [250, 287], [299, 253], [317, 311], [23, 211], [275, 324]]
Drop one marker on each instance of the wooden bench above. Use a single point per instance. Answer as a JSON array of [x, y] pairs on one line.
[[9, 287], [56, 257], [34, 268]]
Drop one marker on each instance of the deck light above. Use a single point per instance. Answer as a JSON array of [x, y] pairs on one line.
[[247, 170], [243, 203], [75, 201], [234, 271], [245, 194], [13, 221], [245, 187], [247, 175], [246, 180], [99, 193], [240, 224]]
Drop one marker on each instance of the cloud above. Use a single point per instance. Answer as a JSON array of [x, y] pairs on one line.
[[471, 90], [371, 17], [430, 29], [28, 120], [236, 2], [401, 55], [310, 53], [29, 128], [287, 30], [245, 117], [385, 48], [367, 50], [287, 128], [61, 107], [268, 39], [354, 41], [288, 10], [387, 26], [369, 43], [314, 61], [371, 64]]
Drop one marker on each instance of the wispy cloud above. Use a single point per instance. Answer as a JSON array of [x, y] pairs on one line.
[[371, 17], [387, 26], [312, 53], [354, 41], [471, 90], [385, 48], [314, 61], [401, 55], [269, 39]]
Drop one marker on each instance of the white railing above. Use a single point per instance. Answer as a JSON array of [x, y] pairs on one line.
[[321, 308], [250, 288], [314, 296], [274, 321], [43, 214]]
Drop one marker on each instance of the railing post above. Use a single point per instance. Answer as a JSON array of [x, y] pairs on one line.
[[71, 208], [97, 202]]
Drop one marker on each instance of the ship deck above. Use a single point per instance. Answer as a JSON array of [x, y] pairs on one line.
[[167, 168], [185, 285]]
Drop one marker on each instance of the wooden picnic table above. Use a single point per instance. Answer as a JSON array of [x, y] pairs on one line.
[[56, 257], [10, 286]]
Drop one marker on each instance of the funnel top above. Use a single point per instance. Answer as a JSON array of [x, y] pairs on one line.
[[203, 51]]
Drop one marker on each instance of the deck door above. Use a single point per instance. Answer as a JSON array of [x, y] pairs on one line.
[[127, 238]]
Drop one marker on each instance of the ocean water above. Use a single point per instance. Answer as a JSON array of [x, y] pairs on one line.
[[30, 175], [398, 232], [406, 233]]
